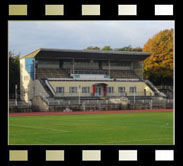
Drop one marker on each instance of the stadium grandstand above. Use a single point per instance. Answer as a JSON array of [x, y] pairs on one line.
[[50, 76]]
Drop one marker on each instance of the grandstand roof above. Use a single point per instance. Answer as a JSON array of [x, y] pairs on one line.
[[45, 53]]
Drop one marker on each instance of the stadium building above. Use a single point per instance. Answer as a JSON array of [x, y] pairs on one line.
[[60, 74]]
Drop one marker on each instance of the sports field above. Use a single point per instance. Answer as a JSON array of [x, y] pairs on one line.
[[109, 128]]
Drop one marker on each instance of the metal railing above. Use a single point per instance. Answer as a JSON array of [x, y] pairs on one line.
[[94, 105], [153, 102], [114, 94], [49, 86], [150, 84], [13, 102]]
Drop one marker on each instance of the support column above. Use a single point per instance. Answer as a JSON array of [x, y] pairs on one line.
[[142, 70], [16, 94], [109, 67], [73, 66]]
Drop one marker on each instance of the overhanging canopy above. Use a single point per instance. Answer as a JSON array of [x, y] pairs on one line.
[[89, 54]]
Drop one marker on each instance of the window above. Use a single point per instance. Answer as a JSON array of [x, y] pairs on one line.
[[133, 89], [85, 89], [72, 89], [121, 90], [110, 89], [59, 89]]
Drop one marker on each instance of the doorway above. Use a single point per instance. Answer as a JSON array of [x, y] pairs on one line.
[[98, 91]]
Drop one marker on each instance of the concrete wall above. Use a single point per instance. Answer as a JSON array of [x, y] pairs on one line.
[[29, 87], [26, 82], [39, 105], [39, 89], [66, 84]]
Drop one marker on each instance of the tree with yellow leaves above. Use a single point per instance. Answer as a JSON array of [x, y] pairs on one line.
[[159, 66]]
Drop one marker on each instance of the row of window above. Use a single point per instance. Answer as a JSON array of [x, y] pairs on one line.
[[72, 90], [87, 90], [122, 90]]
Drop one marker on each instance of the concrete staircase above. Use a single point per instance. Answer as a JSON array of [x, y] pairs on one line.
[[154, 89], [43, 83]]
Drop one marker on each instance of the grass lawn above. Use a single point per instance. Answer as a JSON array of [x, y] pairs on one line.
[[119, 128]]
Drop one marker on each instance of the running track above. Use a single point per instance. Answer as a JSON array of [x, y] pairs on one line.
[[88, 112]]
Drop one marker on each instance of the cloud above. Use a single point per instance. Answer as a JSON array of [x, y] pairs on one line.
[[26, 36]]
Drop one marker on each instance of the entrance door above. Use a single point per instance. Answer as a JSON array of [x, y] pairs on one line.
[[98, 91]]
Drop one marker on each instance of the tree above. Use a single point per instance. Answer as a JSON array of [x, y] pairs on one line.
[[92, 48], [14, 72], [159, 66], [137, 49], [129, 48], [107, 48], [126, 48]]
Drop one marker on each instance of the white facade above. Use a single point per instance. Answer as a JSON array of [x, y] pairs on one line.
[[29, 87]]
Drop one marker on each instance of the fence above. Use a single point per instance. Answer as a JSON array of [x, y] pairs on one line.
[[88, 107], [19, 106], [92, 105], [76, 102], [101, 94]]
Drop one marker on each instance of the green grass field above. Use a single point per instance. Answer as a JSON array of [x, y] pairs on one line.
[[119, 128]]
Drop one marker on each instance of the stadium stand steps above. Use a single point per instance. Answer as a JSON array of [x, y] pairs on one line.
[[63, 73], [127, 74], [154, 89], [167, 90], [124, 74], [42, 81], [51, 73]]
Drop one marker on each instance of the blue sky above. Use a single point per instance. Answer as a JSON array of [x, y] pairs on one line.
[[27, 36]]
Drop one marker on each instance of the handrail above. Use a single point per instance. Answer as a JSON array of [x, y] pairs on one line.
[[51, 89], [155, 89]]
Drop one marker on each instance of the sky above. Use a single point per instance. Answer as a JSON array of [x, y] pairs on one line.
[[27, 36]]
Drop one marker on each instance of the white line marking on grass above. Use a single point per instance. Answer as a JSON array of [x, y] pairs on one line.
[[28, 134], [165, 126], [138, 140], [40, 128]]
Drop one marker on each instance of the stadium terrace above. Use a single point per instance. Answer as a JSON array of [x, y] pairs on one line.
[[50, 76]]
